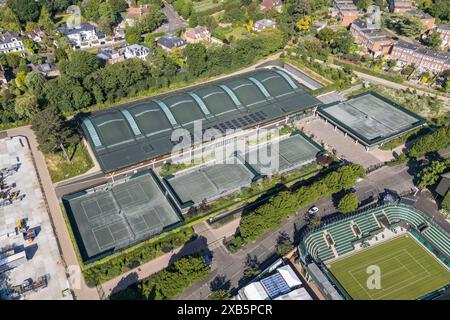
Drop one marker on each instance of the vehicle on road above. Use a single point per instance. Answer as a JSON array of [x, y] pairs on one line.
[[313, 210]]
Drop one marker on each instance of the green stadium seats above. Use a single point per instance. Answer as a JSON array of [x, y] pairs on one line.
[[342, 234]]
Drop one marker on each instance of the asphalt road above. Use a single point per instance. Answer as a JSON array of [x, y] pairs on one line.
[[174, 21], [231, 266]]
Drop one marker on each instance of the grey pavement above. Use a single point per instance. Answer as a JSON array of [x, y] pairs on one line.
[[174, 21]]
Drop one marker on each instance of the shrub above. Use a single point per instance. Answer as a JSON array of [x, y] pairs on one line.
[[104, 270], [272, 214], [439, 139], [348, 203]]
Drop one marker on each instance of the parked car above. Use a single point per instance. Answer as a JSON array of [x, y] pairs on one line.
[[313, 210]]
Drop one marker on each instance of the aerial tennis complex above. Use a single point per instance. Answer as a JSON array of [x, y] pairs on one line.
[[370, 118], [214, 180], [118, 215], [138, 132], [409, 250]]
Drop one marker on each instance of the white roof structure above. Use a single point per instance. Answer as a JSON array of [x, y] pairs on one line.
[[255, 291], [281, 285], [297, 294], [289, 276]]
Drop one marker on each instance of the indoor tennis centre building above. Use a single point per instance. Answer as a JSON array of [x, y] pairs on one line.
[[140, 132]]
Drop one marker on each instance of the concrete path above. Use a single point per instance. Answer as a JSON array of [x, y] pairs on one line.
[[81, 290]]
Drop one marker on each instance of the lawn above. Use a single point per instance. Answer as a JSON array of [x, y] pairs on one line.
[[408, 271], [200, 6], [61, 169]]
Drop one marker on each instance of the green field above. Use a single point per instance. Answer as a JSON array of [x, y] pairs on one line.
[[408, 271]]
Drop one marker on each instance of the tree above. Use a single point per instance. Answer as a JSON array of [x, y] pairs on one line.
[[404, 24], [220, 295], [348, 203], [45, 20], [343, 42], [9, 20], [35, 83], [196, 58], [431, 174], [81, 64], [304, 23], [284, 244], [52, 131], [326, 35], [26, 105], [25, 10], [433, 40], [440, 9], [432, 142], [132, 35], [363, 4]]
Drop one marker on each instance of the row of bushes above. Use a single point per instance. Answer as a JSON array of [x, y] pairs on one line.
[[273, 213], [168, 283], [404, 138], [438, 140], [396, 79], [113, 266]]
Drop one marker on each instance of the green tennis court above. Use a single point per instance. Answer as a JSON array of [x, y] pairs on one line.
[[116, 216], [408, 271]]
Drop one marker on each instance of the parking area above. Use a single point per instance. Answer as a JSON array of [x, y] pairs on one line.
[[30, 263], [345, 146]]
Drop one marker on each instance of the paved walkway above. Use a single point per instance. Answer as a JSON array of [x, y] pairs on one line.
[[81, 290]]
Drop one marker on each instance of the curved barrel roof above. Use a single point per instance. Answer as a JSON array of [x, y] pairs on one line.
[[128, 134]]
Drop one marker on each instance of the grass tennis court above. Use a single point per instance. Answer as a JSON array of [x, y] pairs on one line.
[[117, 216], [408, 271]]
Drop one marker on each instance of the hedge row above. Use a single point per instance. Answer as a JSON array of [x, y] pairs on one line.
[[396, 79], [108, 269], [438, 140], [168, 283], [273, 213]]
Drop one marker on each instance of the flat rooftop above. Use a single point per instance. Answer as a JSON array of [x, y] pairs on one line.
[[209, 182], [113, 217], [217, 179], [136, 132], [371, 118], [282, 155]]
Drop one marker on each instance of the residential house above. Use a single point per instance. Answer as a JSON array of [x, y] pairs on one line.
[[82, 35], [268, 5], [444, 32], [374, 40], [400, 6], [137, 12], [345, 11], [136, 51], [10, 41], [423, 58], [197, 34], [426, 19], [37, 35], [109, 55], [48, 70], [168, 43], [264, 24]]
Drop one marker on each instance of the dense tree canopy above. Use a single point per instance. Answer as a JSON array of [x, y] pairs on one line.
[[348, 203]]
